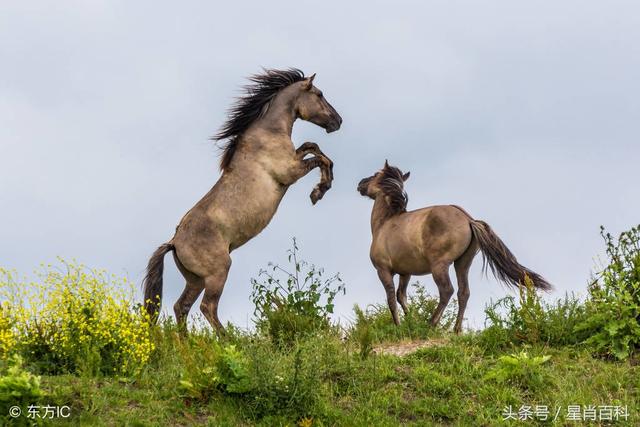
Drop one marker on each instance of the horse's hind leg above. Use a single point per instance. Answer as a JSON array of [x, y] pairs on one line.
[[441, 277], [462, 266], [213, 286], [190, 294], [402, 292], [192, 290], [387, 281]]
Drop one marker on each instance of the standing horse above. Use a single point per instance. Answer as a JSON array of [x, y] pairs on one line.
[[258, 164], [429, 240]]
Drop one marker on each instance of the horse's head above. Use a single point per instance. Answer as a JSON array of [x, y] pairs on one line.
[[313, 107], [388, 180]]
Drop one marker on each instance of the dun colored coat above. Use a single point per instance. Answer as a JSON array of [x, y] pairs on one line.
[[258, 165], [428, 241]]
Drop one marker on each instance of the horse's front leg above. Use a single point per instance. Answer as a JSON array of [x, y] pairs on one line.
[[319, 160]]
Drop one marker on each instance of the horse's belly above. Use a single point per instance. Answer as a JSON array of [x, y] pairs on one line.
[[411, 263], [399, 256], [406, 253], [253, 216]]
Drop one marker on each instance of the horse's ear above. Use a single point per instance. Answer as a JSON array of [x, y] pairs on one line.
[[406, 176], [386, 164], [308, 82]]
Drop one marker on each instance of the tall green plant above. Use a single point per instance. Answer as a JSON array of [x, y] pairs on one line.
[[290, 302], [613, 321]]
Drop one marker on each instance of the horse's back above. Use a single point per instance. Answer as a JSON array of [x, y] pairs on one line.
[[435, 220]]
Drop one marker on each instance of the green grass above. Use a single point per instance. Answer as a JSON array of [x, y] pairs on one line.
[[448, 384]]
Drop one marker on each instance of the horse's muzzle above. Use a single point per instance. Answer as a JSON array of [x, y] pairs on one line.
[[362, 186], [335, 124]]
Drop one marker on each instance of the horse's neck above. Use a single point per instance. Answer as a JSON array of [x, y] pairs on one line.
[[270, 134], [279, 117], [379, 214]]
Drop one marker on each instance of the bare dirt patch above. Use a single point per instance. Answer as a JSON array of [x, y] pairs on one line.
[[403, 348]]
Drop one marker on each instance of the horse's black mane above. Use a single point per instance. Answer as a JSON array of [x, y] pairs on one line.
[[251, 106], [392, 186]]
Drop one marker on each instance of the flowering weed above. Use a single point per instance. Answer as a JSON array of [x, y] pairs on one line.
[[74, 319]]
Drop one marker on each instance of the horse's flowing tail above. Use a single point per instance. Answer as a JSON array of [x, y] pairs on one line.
[[152, 283], [503, 264]]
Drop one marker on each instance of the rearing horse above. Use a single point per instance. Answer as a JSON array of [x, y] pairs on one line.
[[429, 240], [258, 164]]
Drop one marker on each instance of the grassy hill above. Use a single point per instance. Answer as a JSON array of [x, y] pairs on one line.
[[324, 380], [76, 340]]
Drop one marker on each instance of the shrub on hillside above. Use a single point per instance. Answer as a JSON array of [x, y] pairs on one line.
[[521, 370], [75, 320], [226, 370], [293, 302], [613, 308], [530, 320], [267, 380]]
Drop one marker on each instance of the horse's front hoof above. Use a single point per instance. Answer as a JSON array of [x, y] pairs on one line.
[[316, 195]]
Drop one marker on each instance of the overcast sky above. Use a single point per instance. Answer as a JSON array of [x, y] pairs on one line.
[[527, 114]]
